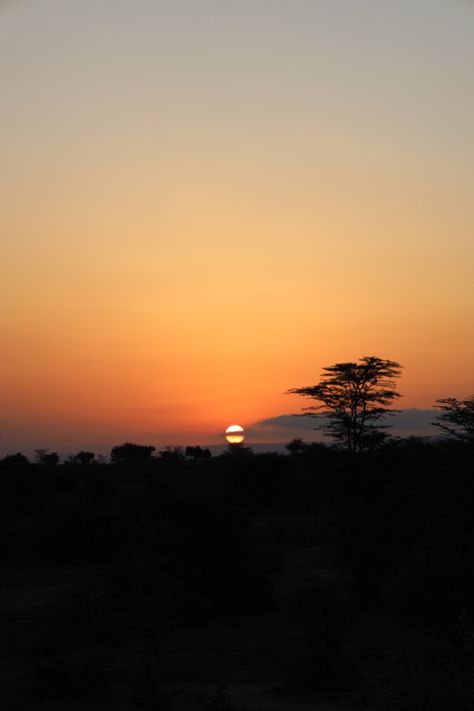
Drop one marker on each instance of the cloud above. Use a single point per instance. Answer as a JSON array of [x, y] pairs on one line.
[[415, 421], [283, 428]]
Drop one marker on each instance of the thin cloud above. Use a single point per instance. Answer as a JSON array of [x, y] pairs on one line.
[[410, 422]]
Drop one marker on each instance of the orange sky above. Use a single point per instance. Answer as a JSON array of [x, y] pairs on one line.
[[204, 204]]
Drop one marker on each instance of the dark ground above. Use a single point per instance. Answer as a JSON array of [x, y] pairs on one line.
[[240, 582]]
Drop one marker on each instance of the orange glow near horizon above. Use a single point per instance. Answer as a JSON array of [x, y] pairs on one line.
[[196, 220]]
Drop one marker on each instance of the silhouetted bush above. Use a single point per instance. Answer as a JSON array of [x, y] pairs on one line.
[[130, 451]]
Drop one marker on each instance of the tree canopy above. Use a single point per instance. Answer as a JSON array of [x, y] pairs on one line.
[[131, 451], [457, 417], [353, 398]]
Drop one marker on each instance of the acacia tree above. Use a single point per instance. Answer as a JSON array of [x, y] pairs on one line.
[[353, 398], [457, 417]]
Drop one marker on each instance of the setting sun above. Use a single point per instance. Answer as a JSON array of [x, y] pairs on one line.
[[234, 434]]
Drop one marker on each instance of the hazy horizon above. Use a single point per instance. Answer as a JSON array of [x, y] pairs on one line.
[[271, 434]]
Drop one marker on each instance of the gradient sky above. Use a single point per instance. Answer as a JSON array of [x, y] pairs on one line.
[[203, 202]]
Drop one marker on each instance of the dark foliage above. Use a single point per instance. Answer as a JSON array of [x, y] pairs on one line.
[[457, 418], [148, 545], [198, 452], [47, 458], [130, 451], [354, 398]]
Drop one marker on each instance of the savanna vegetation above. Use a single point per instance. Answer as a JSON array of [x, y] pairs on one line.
[[326, 577]]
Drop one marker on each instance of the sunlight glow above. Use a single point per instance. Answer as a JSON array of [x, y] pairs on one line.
[[234, 434]]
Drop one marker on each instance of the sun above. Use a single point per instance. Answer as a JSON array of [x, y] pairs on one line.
[[234, 434]]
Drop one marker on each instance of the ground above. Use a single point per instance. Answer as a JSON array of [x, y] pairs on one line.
[[239, 663]]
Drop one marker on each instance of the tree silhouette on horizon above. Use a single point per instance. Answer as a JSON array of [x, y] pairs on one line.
[[456, 417], [353, 398]]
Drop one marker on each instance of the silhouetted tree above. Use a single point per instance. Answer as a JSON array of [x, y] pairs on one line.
[[457, 417], [354, 397], [46, 458], [172, 454], [129, 450], [15, 461], [198, 452], [296, 446], [84, 457], [237, 449]]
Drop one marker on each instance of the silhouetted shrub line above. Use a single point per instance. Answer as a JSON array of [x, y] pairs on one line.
[[150, 544]]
